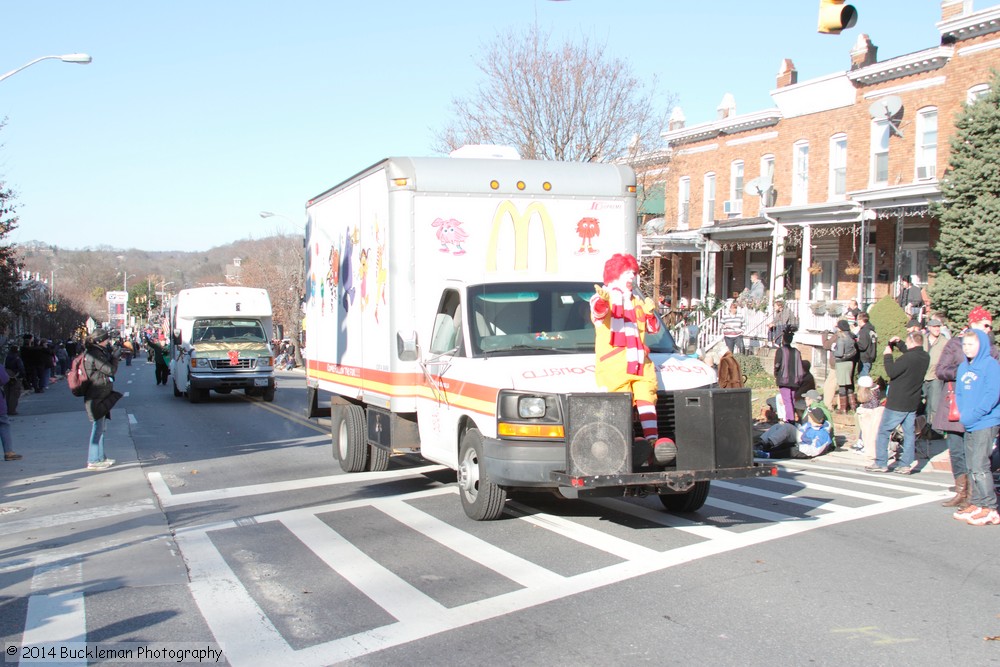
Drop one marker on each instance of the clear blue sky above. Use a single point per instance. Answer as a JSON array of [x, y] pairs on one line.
[[196, 115]]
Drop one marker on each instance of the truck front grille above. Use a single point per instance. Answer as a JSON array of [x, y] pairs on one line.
[[241, 364]]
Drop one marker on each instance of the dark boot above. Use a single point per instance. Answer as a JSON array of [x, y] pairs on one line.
[[841, 404], [852, 401], [961, 492]]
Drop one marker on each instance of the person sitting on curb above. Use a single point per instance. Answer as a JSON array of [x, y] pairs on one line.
[[815, 400], [815, 435]]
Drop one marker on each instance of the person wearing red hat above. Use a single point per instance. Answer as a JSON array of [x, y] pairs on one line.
[[977, 396], [622, 359], [945, 419]]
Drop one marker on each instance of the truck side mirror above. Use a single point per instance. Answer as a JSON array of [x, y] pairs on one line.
[[406, 348]]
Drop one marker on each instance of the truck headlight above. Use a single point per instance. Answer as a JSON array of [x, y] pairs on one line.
[[529, 416], [531, 407]]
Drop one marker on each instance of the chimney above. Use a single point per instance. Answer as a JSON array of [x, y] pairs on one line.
[[787, 74], [864, 52], [677, 119], [954, 8], [727, 107]]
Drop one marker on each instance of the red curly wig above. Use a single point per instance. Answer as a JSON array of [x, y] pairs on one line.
[[617, 265]]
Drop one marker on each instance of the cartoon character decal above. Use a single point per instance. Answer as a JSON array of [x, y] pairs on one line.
[[363, 272], [451, 235], [587, 229], [381, 272], [346, 275]]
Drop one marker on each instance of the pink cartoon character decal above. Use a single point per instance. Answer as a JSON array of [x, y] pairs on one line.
[[587, 229], [451, 235]]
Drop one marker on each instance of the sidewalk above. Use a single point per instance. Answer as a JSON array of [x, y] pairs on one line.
[[67, 530]]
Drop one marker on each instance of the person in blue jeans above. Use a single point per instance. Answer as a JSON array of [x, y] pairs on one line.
[[100, 364], [906, 382], [977, 394], [5, 437]]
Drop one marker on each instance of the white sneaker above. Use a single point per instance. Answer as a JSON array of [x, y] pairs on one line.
[[101, 465]]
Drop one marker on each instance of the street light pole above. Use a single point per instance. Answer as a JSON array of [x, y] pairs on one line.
[[79, 58]]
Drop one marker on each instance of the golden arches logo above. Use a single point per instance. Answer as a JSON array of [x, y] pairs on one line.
[[521, 223]]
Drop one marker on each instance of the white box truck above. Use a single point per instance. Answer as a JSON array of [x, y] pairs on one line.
[[221, 341], [447, 313]]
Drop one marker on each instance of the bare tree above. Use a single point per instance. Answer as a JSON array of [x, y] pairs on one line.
[[276, 265], [570, 103]]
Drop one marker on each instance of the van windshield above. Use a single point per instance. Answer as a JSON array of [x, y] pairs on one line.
[[538, 318], [228, 330]]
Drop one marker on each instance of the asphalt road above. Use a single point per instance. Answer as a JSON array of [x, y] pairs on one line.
[[229, 522]]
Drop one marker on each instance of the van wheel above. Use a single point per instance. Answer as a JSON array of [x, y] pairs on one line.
[[689, 501], [378, 458], [269, 395], [347, 426], [197, 395], [482, 500]]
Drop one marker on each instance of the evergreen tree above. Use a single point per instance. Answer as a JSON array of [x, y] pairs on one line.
[[969, 258], [11, 291]]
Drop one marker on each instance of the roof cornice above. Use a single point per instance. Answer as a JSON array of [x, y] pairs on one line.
[[894, 68], [971, 25], [723, 126]]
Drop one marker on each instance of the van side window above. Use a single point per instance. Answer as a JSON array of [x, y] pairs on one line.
[[447, 335]]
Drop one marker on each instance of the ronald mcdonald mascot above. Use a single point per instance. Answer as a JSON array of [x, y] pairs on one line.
[[622, 358]]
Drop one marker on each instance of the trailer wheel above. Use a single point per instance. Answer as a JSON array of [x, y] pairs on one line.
[[347, 426], [378, 458], [482, 500], [689, 501]]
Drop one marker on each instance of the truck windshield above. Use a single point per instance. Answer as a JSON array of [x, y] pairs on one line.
[[228, 330], [538, 318]]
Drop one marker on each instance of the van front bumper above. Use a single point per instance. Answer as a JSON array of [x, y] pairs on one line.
[[523, 463], [232, 381]]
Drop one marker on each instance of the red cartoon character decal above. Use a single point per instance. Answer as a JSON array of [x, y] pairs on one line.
[[587, 229], [234, 358], [451, 235]]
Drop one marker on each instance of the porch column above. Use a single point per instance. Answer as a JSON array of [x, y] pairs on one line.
[[777, 264], [805, 278], [709, 261]]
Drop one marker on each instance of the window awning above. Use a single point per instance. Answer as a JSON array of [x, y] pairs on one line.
[[650, 200]]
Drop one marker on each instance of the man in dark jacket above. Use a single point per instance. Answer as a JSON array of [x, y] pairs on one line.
[[867, 344], [906, 383]]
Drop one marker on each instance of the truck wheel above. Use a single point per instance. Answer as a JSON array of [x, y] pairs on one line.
[[689, 501], [378, 458], [197, 395], [482, 500], [269, 395], [177, 392], [347, 426]]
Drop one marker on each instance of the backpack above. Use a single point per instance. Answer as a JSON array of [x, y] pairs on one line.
[[77, 378]]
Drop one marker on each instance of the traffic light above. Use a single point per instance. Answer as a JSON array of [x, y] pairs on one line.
[[835, 16]]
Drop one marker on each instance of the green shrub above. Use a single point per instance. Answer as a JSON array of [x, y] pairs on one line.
[[757, 375], [889, 320]]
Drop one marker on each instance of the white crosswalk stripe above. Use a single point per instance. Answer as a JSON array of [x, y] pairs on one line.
[[243, 627]]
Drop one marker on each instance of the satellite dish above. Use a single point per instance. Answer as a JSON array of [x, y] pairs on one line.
[[757, 186], [886, 107], [889, 109]]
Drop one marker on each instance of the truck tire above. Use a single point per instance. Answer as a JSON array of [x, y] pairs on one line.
[[378, 458], [268, 395], [689, 501], [347, 430], [197, 395], [482, 500]]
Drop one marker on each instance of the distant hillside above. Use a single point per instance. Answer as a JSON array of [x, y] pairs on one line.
[[85, 275]]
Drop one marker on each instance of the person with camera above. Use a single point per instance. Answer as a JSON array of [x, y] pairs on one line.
[[906, 382], [100, 363]]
